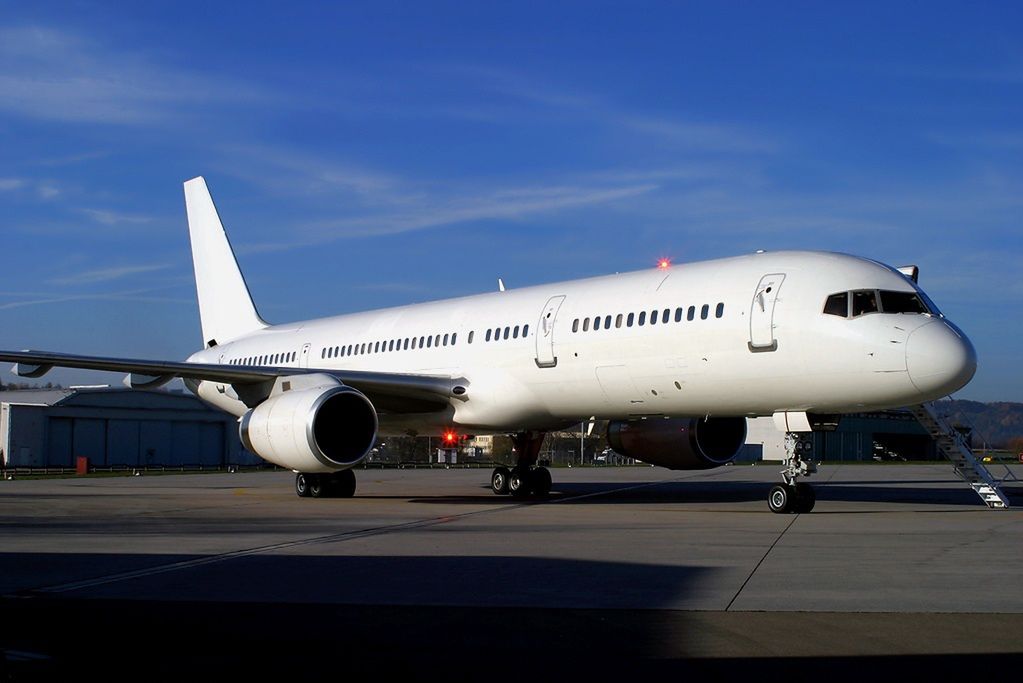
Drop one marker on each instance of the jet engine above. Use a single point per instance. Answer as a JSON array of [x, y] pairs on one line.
[[679, 443], [312, 430]]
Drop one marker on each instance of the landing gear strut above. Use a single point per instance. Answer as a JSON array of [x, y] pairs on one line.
[[793, 495], [334, 485], [525, 479]]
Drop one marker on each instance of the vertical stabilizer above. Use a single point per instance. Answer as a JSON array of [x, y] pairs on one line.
[[225, 305]]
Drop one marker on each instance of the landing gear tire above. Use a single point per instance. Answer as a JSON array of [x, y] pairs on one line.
[[805, 498], [542, 482], [318, 488], [342, 484], [781, 498], [519, 484], [302, 485], [499, 480]]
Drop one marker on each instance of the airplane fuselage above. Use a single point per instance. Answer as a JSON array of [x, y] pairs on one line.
[[741, 336]]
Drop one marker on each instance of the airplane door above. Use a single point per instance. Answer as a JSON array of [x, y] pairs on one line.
[[303, 359], [545, 357], [761, 317]]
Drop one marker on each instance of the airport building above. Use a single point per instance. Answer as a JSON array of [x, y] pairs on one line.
[[883, 436], [115, 428]]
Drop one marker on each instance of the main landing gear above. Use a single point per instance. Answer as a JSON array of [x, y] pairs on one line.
[[334, 485], [793, 495], [525, 479]]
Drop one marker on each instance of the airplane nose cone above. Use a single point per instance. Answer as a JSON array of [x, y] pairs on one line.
[[940, 359]]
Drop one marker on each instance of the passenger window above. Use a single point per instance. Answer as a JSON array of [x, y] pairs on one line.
[[618, 320], [436, 340], [429, 342], [678, 314], [837, 304], [323, 352], [515, 332], [596, 323], [445, 340], [628, 321], [666, 316], [472, 333], [422, 342], [488, 334], [575, 326], [864, 301], [507, 331], [454, 338], [692, 313], [607, 322], [525, 330], [586, 324], [642, 318], [719, 311], [337, 351], [405, 345], [653, 317], [704, 312]]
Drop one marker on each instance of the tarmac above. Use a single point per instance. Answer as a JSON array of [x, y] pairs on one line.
[[427, 573]]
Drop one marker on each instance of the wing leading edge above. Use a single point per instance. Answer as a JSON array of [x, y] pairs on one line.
[[400, 392]]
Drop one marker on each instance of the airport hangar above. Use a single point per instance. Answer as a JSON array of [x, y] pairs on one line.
[[121, 428], [116, 428]]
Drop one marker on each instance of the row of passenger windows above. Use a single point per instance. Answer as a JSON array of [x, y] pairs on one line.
[[860, 302], [642, 318], [267, 359], [424, 342]]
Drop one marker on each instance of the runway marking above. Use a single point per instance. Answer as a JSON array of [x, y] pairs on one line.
[[329, 538]]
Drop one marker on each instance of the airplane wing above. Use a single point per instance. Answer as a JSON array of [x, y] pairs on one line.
[[390, 392]]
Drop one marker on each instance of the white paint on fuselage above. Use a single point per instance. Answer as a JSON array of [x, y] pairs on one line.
[[822, 363]]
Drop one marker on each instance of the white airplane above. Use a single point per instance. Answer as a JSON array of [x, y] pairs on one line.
[[675, 357]]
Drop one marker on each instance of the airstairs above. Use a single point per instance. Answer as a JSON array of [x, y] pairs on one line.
[[953, 446]]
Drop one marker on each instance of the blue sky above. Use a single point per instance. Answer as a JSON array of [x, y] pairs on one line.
[[380, 153]]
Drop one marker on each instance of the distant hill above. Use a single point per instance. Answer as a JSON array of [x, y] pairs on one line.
[[993, 423]]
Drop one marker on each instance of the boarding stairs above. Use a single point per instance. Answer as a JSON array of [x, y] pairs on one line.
[[953, 446]]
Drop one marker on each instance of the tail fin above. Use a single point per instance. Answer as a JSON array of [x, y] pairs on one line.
[[225, 305]]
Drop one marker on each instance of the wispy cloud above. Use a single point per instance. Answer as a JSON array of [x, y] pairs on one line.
[[107, 217], [90, 277], [549, 99], [57, 75], [44, 189], [134, 295]]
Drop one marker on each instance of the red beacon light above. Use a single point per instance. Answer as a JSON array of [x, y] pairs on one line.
[[663, 263], [450, 438]]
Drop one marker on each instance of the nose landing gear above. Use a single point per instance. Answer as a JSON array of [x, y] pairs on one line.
[[793, 495]]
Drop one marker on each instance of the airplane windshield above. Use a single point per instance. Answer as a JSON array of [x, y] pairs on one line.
[[902, 302], [860, 302]]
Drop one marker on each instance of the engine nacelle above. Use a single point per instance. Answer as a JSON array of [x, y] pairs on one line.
[[679, 443], [321, 429]]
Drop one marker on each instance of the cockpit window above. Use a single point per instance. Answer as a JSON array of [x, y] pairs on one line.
[[864, 301], [902, 302], [837, 304]]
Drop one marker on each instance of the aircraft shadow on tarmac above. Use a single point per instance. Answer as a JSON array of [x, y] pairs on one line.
[[611, 493]]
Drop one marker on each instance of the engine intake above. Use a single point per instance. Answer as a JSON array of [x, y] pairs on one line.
[[679, 443], [322, 429]]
